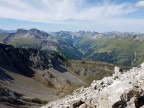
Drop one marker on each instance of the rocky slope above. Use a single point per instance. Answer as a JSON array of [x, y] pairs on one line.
[[125, 89], [37, 75], [11, 99], [33, 74], [22, 76]]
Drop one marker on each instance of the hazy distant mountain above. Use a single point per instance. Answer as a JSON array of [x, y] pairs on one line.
[[7, 31], [2, 31]]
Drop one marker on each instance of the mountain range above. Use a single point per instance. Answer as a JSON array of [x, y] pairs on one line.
[[120, 48], [37, 67]]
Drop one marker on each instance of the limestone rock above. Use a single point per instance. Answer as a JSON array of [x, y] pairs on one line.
[[142, 65], [126, 91]]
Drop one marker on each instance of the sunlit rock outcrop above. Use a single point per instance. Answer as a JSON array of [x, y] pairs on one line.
[[125, 89]]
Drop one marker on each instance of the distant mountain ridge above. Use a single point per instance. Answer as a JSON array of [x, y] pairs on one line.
[[112, 47], [7, 31], [121, 48]]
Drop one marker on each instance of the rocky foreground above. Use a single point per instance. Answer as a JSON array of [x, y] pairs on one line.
[[122, 90]]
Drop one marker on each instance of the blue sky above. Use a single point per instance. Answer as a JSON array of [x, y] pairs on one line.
[[73, 15]]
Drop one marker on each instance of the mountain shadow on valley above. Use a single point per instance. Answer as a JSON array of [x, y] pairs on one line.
[[4, 76]]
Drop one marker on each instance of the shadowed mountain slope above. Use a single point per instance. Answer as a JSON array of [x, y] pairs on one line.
[[43, 75]]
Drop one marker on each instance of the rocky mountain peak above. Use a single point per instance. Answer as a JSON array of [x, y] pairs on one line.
[[28, 57], [21, 30], [31, 33], [39, 32], [122, 90]]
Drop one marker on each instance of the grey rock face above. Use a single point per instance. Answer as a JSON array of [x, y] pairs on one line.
[[28, 57], [142, 65], [126, 91]]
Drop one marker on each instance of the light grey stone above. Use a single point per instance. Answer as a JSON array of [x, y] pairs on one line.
[[124, 92]]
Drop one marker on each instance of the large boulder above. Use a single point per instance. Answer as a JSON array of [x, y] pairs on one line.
[[142, 65]]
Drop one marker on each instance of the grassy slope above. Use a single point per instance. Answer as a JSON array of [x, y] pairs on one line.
[[25, 43], [64, 45], [90, 70], [119, 50]]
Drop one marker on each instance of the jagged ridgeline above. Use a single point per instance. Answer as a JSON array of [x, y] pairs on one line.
[[112, 47], [34, 38]]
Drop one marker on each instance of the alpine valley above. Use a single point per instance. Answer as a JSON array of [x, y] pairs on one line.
[[120, 48], [37, 67]]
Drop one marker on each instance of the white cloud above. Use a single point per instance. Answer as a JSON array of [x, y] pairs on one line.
[[74, 13], [140, 3], [60, 10], [106, 11], [111, 22], [51, 10]]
